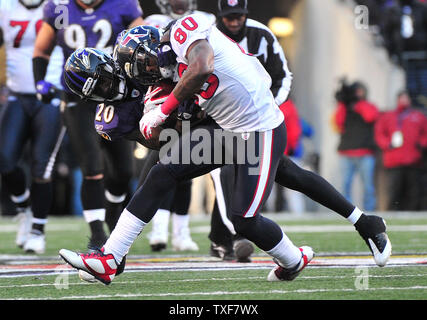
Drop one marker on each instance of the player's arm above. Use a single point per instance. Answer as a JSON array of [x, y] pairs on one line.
[[200, 58], [43, 47], [137, 22]]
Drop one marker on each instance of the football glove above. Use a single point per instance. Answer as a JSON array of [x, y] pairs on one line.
[[45, 91], [151, 119]]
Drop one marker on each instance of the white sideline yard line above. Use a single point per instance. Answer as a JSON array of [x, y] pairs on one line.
[[328, 228], [82, 283], [219, 293], [5, 228]]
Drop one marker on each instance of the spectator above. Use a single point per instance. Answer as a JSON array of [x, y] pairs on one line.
[[402, 135], [405, 27], [355, 117]]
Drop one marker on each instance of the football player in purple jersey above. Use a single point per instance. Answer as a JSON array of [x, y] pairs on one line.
[[106, 166]]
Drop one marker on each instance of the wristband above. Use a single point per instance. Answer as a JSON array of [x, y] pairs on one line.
[[169, 105]]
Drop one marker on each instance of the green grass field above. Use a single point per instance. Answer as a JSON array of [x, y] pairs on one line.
[[196, 276]]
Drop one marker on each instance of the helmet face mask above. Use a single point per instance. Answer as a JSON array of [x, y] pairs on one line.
[[94, 75], [137, 54]]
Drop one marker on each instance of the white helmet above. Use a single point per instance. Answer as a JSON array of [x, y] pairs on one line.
[[166, 8], [31, 4]]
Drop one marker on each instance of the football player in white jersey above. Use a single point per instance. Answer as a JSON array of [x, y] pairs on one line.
[[181, 237], [24, 119], [234, 90]]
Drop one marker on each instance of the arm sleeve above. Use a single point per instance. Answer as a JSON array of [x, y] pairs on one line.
[[49, 15], [339, 117], [367, 110], [277, 66]]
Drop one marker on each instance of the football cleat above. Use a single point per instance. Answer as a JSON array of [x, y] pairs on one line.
[[158, 240], [24, 219], [85, 276], [36, 243], [243, 249], [218, 251], [102, 266], [279, 273], [373, 230], [184, 243]]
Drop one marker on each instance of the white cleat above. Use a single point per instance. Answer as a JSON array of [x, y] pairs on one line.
[[278, 273], [158, 240], [36, 243], [183, 242], [24, 219], [85, 276]]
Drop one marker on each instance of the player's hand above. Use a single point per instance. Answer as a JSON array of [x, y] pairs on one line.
[[150, 120], [45, 91]]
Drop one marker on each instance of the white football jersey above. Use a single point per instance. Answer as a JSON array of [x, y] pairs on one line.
[[20, 26], [162, 20], [237, 95]]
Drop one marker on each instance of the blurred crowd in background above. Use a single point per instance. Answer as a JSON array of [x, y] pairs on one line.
[[372, 142]]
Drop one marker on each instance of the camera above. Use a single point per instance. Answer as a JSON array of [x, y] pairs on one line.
[[347, 92]]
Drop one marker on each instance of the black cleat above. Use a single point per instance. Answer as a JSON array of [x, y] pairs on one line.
[[373, 230], [221, 252]]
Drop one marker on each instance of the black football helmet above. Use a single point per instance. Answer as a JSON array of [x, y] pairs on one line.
[[94, 75], [137, 50]]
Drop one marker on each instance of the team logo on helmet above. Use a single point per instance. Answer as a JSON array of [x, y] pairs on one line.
[[232, 3]]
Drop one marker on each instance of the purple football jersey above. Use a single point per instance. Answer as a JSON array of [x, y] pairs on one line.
[[96, 28], [114, 120]]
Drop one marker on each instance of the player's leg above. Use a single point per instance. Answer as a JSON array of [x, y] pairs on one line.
[[318, 189], [181, 237], [252, 187], [85, 143], [119, 171], [162, 179], [225, 242], [158, 238], [14, 131], [45, 143]]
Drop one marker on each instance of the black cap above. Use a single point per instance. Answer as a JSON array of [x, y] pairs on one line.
[[226, 7]]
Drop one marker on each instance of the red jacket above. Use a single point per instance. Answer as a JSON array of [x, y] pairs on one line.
[[356, 133], [293, 125], [413, 125]]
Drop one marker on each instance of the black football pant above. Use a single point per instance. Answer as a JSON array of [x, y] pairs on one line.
[[179, 200], [95, 155], [199, 151], [25, 119], [288, 175]]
